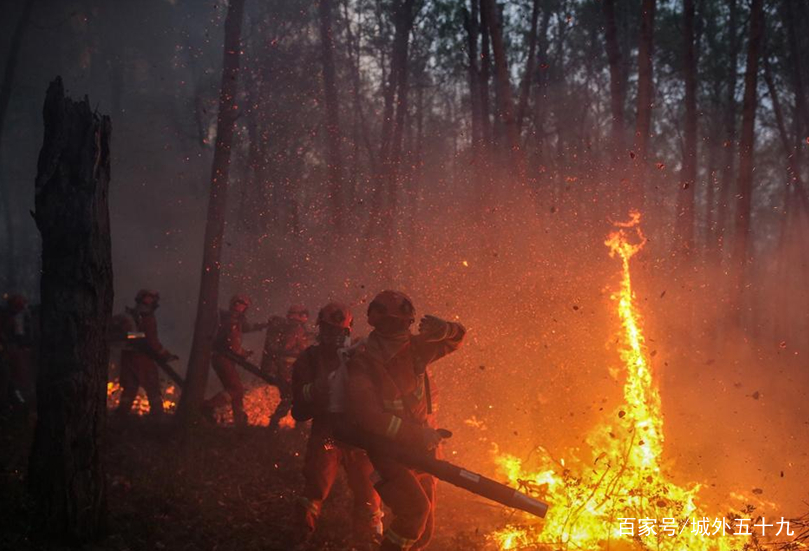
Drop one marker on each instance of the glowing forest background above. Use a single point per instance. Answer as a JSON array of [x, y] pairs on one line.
[[473, 154]]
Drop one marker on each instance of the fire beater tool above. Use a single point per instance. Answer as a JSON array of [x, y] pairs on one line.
[[137, 341], [252, 368]]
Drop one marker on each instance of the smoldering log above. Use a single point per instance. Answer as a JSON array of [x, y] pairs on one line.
[[66, 475]]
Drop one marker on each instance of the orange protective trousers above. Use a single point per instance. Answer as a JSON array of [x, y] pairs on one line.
[[324, 457], [410, 494]]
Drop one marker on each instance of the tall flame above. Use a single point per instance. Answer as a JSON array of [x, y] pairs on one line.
[[592, 500]]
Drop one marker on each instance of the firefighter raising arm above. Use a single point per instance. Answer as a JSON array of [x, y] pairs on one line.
[[388, 394], [437, 338], [387, 375]]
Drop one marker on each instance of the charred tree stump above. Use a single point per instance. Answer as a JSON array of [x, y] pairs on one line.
[[65, 471]]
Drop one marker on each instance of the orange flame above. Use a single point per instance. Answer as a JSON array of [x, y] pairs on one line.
[[260, 403], [623, 479], [141, 404]]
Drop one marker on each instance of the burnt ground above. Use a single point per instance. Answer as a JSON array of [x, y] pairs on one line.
[[225, 489]]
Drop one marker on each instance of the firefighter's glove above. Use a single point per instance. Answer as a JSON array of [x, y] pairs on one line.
[[246, 353], [430, 437], [434, 329]]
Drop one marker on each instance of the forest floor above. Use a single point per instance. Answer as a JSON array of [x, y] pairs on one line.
[[223, 489]]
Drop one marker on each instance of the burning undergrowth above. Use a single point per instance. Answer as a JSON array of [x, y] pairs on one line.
[[141, 404], [259, 403], [617, 491]]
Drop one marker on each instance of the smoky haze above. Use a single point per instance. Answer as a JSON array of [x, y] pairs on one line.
[[520, 261]]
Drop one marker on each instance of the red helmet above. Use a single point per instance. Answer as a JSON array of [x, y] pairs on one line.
[[391, 304], [240, 299], [335, 314], [16, 303], [143, 293], [297, 311]]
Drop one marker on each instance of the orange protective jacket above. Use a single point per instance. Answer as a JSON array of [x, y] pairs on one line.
[[310, 375], [286, 339], [387, 388], [231, 328], [147, 324]]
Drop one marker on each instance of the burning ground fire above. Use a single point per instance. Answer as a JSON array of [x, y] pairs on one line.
[[141, 404], [624, 481], [259, 404]]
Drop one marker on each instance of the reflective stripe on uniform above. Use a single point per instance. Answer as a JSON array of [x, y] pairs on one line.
[[418, 394], [376, 515], [393, 405], [399, 541], [393, 427], [308, 504], [307, 392]]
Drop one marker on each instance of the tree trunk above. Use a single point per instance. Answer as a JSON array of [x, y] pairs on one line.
[[790, 151], [361, 132], [710, 192], [332, 116], [207, 314], [66, 475], [725, 190], [713, 140], [485, 77], [403, 20], [413, 191], [505, 104], [528, 76], [5, 98], [684, 225], [796, 73], [617, 84], [541, 88], [404, 25], [796, 69], [744, 188], [645, 80], [471, 27]]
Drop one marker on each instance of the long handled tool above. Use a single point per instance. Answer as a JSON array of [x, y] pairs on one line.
[[251, 368], [443, 470], [137, 341]]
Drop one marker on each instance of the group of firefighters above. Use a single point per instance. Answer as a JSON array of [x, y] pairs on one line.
[[377, 385]]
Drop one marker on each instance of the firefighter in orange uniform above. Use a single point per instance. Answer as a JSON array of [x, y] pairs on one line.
[[389, 396], [138, 369], [232, 325], [310, 388], [286, 339]]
